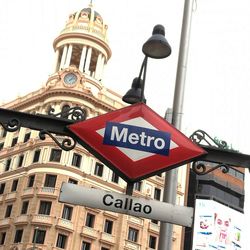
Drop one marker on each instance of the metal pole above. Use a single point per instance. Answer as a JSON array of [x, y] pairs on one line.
[[171, 178]]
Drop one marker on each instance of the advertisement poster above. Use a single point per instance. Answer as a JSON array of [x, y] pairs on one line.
[[217, 227]]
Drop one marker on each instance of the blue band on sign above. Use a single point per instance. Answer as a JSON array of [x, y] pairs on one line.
[[139, 138]]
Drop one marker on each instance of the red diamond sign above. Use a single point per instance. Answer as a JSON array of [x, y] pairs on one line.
[[135, 142]]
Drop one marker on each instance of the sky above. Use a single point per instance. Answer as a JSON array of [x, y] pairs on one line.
[[217, 82]]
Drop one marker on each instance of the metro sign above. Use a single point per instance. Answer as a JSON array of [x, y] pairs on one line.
[[135, 142]]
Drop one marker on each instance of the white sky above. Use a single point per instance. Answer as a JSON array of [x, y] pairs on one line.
[[218, 72]]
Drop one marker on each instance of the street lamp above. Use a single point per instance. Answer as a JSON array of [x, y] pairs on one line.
[[156, 47]]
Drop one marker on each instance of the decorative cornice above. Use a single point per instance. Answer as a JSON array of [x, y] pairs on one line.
[[42, 94]]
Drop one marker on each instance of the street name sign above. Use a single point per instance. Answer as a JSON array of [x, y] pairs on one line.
[[135, 142], [125, 204]]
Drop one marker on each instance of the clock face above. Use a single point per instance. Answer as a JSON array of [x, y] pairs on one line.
[[70, 78]]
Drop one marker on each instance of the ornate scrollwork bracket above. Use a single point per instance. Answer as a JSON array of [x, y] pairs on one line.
[[200, 168], [219, 156], [12, 125], [200, 137], [75, 113], [66, 144]]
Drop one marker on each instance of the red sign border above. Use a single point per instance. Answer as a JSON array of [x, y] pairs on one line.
[[115, 159]]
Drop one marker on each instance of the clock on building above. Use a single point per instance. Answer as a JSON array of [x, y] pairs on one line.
[[70, 78]]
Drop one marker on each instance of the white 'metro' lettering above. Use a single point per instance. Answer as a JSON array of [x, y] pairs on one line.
[[133, 138]]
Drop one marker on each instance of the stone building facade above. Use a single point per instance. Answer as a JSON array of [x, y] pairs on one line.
[[32, 170]]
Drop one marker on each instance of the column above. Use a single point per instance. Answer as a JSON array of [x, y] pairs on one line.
[[55, 69], [102, 64], [68, 57], [88, 58], [65, 49], [83, 58], [98, 66]]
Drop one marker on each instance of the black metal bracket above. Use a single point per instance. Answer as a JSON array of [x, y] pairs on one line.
[[217, 152], [50, 125], [56, 125]]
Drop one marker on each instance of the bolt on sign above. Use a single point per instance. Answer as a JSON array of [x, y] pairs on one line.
[[135, 142]]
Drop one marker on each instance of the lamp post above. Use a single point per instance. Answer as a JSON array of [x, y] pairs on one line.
[[157, 47]]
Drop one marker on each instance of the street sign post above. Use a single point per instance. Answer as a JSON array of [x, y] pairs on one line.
[[135, 142], [125, 204]]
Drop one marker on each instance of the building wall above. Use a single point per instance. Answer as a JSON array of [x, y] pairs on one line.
[[89, 94]]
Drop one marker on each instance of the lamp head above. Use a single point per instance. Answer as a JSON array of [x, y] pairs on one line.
[[157, 45], [134, 94]]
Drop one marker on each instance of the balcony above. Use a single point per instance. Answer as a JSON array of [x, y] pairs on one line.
[[154, 227], [28, 192], [65, 224], [89, 232], [38, 247], [43, 219], [132, 245], [5, 222], [11, 196], [107, 238], [135, 220], [22, 219], [49, 192], [16, 246]]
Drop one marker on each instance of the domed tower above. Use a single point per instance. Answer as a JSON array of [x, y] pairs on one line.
[[82, 50]]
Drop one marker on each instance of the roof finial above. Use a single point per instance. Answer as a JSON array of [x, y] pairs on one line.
[[91, 3]]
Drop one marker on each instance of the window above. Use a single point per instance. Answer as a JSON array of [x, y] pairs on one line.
[[152, 242], [2, 238], [8, 211], [14, 185], [76, 160], [20, 161], [72, 181], [85, 245], [108, 226], [14, 142], [39, 236], [50, 180], [61, 241], [55, 155], [98, 169], [45, 207], [157, 194], [26, 137], [31, 181], [2, 187], [137, 186], [25, 206], [133, 234], [1, 146], [90, 219], [67, 212], [7, 165], [115, 177], [36, 155], [18, 236]]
